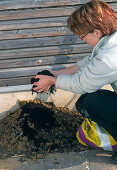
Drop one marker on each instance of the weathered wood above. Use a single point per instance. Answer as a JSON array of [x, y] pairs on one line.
[[36, 30], [15, 81], [43, 51], [40, 13], [28, 71], [32, 33], [36, 13], [10, 5], [39, 42], [42, 61], [6, 5], [33, 23], [18, 88]]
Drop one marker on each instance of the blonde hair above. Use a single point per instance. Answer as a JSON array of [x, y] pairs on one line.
[[93, 15]]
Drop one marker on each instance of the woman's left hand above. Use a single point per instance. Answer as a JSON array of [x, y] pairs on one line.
[[44, 83]]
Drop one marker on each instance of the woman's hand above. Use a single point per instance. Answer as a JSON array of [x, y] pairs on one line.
[[44, 83]]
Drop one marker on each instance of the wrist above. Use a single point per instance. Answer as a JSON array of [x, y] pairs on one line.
[[53, 80], [54, 73]]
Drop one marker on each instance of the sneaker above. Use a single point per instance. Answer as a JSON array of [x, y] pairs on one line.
[[114, 157]]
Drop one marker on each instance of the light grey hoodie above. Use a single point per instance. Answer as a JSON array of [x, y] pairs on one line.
[[94, 71]]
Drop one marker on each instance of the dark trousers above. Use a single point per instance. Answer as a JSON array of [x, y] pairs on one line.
[[101, 107]]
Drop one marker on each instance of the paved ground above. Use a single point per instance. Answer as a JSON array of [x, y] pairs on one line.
[[88, 160]]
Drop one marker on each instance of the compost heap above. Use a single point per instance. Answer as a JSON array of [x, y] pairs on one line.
[[37, 128]]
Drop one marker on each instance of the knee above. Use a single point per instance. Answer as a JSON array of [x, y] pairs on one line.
[[85, 101]]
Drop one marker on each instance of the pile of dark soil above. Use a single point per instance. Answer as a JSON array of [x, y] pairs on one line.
[[38, 128]]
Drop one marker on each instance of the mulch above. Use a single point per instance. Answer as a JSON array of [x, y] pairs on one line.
[[37, 128]]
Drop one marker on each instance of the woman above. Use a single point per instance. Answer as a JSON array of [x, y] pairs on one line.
[[96, 24]]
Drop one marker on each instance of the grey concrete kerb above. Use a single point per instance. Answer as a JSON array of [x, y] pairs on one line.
[[87, 160]]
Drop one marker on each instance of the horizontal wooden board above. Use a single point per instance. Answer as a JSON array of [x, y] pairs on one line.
[[42, 51], [40, 13], [15, 81], [33, 23], [18, 88], [23, 4], [28, 71], [42, 61], [39, 42], [34, 33], [7, 5], [36, 13]]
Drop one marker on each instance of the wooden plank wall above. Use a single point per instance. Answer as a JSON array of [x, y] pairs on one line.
[[34, 36]]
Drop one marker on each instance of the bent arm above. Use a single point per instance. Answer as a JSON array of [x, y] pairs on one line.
[[91, 78], [73, 69]]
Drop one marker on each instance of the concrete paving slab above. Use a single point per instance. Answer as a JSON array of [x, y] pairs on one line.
[[87, 160], [98, 160]]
